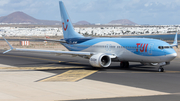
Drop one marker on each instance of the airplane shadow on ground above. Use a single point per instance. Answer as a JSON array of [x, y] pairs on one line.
[[74, 65], [136, 68]]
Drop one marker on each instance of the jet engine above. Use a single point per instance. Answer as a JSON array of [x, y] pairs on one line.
[[100, 60]]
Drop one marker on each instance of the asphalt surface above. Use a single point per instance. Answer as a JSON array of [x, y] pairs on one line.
[[146, 77]]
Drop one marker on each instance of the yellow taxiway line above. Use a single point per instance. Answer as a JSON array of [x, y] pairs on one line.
[[37, 68], [70, 76], [40, 67]]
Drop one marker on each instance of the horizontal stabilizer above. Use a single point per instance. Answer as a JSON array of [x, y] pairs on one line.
[[9, 46], [61, 41]]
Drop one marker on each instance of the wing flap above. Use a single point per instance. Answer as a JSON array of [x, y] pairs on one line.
[[73, 53], [55, 52]]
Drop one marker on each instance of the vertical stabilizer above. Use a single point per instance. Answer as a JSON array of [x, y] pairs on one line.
[[67, 27], [175, 43]]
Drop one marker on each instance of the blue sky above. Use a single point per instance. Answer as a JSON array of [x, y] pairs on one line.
[[154, 12]]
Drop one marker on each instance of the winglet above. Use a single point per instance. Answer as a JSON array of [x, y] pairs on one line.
[[175, 43], [9, 46]]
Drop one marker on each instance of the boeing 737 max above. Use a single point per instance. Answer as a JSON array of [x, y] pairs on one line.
[[102, 51]]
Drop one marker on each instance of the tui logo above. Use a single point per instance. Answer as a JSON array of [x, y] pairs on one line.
[[66, 25]]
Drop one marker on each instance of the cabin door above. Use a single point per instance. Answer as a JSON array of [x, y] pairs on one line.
[[150, 49]]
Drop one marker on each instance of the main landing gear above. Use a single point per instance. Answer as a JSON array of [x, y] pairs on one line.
[[124, 64]]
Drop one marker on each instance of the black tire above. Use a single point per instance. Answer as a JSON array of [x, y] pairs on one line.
[[161, 69], [124, 64], [127, 65]]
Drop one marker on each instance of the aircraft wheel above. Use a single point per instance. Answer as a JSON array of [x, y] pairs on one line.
[[161, 69], [124, 64]]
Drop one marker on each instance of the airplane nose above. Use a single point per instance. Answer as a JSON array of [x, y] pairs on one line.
[[172, 56]]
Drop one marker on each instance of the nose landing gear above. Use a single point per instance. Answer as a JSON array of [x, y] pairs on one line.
[[161, 69]]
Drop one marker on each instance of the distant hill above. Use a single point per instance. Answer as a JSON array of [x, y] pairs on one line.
[[82, 23], [20, 17], [23, 18], [122, 22]]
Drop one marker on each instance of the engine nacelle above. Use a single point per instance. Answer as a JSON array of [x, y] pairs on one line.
[[154, 64], [100, 60]]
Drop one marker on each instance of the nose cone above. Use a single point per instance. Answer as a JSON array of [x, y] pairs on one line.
[[171, 56]]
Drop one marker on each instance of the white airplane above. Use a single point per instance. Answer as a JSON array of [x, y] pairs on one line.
[[102, 51]]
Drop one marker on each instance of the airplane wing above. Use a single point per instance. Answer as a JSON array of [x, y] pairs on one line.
[[74, 53], [54, 51]]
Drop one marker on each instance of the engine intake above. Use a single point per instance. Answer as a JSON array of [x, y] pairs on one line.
[[100, 60]]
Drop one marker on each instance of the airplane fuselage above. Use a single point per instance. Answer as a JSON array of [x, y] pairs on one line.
[[126, 49]]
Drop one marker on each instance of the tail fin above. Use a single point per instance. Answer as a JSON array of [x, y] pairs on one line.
[[68, 30], [175, 43]]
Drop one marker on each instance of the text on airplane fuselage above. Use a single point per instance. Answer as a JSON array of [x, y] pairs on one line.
[[143, 47]]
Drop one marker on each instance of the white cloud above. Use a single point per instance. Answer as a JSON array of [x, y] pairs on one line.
[[94, 11], [2, 11], [3, 2]]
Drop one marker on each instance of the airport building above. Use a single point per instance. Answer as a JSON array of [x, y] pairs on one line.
[[89, 31]]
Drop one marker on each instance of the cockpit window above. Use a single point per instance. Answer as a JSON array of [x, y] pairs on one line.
[[164, 47], [160, 47]]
